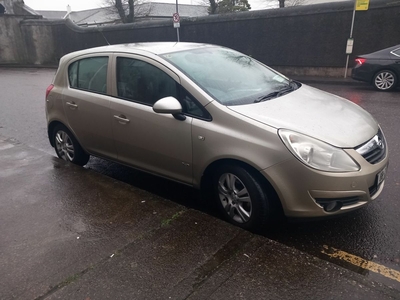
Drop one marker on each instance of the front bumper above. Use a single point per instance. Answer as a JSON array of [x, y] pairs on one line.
[[306, 192]]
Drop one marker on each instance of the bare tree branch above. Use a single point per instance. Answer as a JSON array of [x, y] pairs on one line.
[[286, 3], [227, 6], [129, 18], [213, 7], [295, 2], [120, 8], [127, 10]]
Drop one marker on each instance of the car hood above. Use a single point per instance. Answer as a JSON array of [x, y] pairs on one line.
[[313, 112]]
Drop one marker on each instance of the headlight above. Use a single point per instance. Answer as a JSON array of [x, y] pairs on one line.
[[317, 154]]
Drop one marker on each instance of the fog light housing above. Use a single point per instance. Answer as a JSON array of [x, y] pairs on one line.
[[333, 206]]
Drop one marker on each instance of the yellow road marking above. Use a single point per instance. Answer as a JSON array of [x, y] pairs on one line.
[[362, 263]]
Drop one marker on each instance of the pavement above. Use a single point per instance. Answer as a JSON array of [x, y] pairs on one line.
[[67, 232]]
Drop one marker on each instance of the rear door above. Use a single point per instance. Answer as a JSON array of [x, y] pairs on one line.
[[86, 102], [395, 56]]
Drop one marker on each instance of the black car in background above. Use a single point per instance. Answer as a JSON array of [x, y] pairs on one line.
[[380, 68]]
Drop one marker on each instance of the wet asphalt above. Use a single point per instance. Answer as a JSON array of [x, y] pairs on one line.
[[108, 232]]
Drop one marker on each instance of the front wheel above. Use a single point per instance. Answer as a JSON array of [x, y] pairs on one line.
[[241, 198], [67, 147], [385, 80]]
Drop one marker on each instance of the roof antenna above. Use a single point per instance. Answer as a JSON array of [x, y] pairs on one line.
[[102, 33]]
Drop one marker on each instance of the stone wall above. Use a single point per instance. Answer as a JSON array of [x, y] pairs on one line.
[[306, 39], [13, 48]]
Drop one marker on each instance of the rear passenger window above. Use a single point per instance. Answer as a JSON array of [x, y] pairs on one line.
[[142, 82], [89, 74]]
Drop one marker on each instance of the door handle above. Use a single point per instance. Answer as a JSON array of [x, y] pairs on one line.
[[122, 119], [72, 105]]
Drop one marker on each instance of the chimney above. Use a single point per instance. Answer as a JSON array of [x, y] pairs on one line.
[[68, 9]]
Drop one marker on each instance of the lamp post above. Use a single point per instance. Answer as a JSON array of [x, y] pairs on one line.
[[358, 5], [177, 24], [350, 41]]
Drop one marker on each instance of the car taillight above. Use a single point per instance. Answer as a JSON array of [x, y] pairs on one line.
[[360, 61], [48, 90]]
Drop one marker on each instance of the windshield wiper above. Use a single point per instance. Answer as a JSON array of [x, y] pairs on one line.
[[276, 93]]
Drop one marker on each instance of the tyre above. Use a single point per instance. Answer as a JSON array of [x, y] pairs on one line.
[[385, 80], [67, 147], [241, 198]]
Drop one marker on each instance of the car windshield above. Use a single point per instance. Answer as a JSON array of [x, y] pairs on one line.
[[230, 77]]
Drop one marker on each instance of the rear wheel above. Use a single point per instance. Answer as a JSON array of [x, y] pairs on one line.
[[67, 147], [241, 197], [385, 80]]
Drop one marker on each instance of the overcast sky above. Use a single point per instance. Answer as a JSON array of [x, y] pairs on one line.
[[77, 5], [62, 4]]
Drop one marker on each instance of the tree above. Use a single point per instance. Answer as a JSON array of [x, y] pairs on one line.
[[212, 10], [228, 6], [286, 3], [121, 11], [127, 10], [294, 2]]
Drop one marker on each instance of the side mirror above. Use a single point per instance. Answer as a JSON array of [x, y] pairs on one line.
[[169, 105]]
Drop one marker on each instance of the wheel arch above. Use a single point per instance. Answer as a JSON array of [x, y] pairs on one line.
[[384, 68], [79, 155], [50, 129], [206, 180]]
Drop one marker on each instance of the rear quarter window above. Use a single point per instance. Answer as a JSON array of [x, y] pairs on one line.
[[89, 74]]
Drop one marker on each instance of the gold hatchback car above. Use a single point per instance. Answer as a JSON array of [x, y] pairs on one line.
[[216, 119]]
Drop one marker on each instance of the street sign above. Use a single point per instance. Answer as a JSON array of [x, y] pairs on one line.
[[362, 4], [176, 18], [349, 46]]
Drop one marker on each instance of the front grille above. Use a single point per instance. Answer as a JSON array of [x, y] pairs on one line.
[[374, 150]]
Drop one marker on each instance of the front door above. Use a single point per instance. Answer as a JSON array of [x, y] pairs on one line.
[[158, 143]]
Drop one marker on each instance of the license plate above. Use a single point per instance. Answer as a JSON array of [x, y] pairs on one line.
[[381, 176]]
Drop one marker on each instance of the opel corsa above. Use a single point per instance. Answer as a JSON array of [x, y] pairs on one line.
[[219, 120]]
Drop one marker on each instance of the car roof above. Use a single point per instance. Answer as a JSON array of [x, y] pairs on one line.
[[381, 52], [156, 48]]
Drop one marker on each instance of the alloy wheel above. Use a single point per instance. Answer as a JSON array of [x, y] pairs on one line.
[[64, 146], [384, 80], [234, 198]]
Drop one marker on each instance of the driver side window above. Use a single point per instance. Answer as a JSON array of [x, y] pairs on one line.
[[192, 107], [142, 82]]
